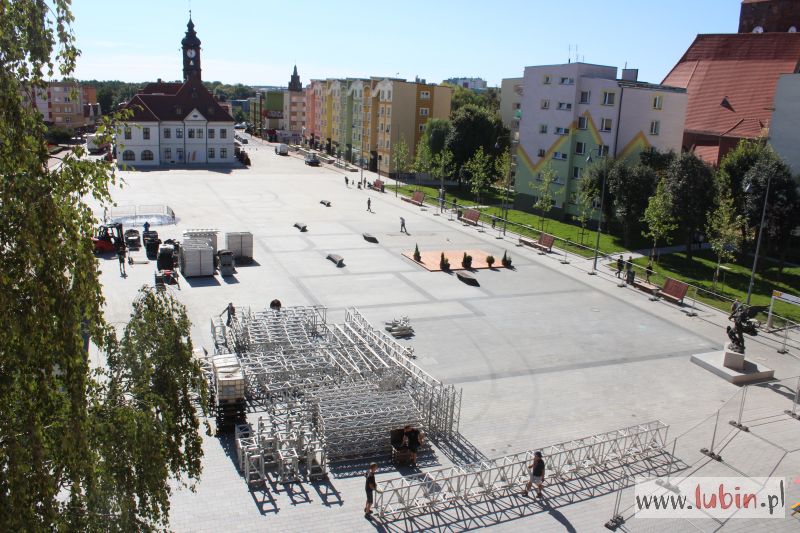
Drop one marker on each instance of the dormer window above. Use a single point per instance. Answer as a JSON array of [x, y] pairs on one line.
[[178, 110]]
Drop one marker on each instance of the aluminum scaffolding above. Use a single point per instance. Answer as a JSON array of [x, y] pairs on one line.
[[565, 461], [331, 390]]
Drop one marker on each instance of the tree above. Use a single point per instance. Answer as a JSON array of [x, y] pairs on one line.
[[655, 160], [442, 165], [474, 127], [724, 228], [479, 170], [436, 132], [423, 159], [586, 210], [592, 183], [544, 194], [238, 115], [736, 164], [782, 213], [631, 189], [690, 185], [400, 159], [55, 460], [461, 97], [147, 394], [658, 217], [502, 168]]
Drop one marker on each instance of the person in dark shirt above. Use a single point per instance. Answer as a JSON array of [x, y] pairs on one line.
[[121, 257], [370, 487], [537, 475], [620, 266], [414, 439]]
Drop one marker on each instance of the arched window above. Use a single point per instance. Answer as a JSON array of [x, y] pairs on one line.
[[128, 155], [147, 155]]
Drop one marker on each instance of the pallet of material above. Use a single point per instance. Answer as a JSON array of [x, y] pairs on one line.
[[241, 244], [196, 259], [203, 233]]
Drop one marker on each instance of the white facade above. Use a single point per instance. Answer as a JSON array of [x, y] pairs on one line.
[[785, 124], [193, 140], [473, 84]]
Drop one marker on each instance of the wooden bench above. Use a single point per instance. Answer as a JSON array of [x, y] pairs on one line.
[[301, 226], [337, 259], [544, 244], [369, 237], [645, 286], [673, 290], [471, 216], [417, 198], [326, 203]]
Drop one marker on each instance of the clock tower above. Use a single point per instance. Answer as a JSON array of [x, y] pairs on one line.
[[191, 53]]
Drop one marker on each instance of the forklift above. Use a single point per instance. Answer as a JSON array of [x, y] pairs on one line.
[[108, 238]]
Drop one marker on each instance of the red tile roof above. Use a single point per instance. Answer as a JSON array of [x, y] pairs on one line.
[[174, 101], [741, 67]]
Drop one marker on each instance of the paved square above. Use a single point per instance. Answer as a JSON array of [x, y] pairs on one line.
[[543, 352]]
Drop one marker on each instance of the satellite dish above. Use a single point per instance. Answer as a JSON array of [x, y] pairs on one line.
[[758, 29]]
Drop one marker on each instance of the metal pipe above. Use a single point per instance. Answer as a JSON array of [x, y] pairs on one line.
[[758, 243]]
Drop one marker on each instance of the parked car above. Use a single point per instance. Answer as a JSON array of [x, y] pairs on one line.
[[312, 160], [282, 149]]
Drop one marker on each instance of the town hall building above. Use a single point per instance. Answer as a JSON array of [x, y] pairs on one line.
[[175, 123]]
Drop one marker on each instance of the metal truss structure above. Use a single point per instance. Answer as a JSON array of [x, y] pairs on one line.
[[331, 390], [563, 462]]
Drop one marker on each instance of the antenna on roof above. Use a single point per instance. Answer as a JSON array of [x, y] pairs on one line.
[[569, 54]]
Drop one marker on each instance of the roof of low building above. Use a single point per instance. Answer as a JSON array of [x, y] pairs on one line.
[[731, 80], [162, 101]]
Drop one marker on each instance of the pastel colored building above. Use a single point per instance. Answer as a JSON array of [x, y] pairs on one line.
[[572, 110]]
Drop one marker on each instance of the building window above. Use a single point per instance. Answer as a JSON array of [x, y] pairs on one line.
[[179, 154], [223, 153], [545, 103], [421, 128], [190, 133], [561, 156], [542, 152], [425, 95], [423, 111], [179, 133], [546, 79], [562, 131], [167, 154], [210, 133], [580, 148], [609, 98], [542, 128], [167, 133], [655, 127], [127, 133], [147, 155], [199, 133], [603, 150], [564, 106], [583, 123], [211, 153], [128, 155], [576, 173], [389, 96], [146, 134], [658, 102], [605, 124], [566, 81], [380, 111], [573, 198], [586, 97], [223, 133]]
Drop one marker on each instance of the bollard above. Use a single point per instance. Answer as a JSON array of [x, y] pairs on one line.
[[565, 261], [693, 310], [793, 412], [783, 349]]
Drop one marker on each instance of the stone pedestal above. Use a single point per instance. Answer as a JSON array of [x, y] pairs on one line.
[[733, 360], [732, 366]]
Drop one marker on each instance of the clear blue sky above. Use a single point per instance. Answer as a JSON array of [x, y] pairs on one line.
[[258, 42]]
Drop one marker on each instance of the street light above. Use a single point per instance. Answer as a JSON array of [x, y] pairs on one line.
[[505, 186], [600, 220], [758, 242]]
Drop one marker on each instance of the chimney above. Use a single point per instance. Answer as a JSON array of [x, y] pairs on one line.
[[630, 74], [159, 80]]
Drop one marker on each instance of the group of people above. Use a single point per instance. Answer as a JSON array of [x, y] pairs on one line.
[[630, 275]]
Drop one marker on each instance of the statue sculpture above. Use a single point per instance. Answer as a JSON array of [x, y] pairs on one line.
[[742, 317]]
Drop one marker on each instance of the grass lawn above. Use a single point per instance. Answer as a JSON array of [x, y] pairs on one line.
[[525, 223], [700, 272]]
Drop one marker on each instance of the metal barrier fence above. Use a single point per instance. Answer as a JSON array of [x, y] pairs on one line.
[[564, 462], [137, 215], [696, 297]]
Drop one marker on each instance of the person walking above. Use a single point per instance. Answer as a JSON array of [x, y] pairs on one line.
[[231, 310], [620, 264], [369, 205], [630, 276], [648, 271], [414, 439], [536, 475], [146, 226], [403, 226], [346, 182], [494, 220], [370, 487], [121, 257]]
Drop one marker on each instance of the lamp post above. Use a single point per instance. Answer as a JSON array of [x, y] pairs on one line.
[[506, 185], [758, 242], [600, 220]]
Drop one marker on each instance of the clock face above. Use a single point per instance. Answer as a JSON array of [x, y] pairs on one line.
[[190, 52]]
